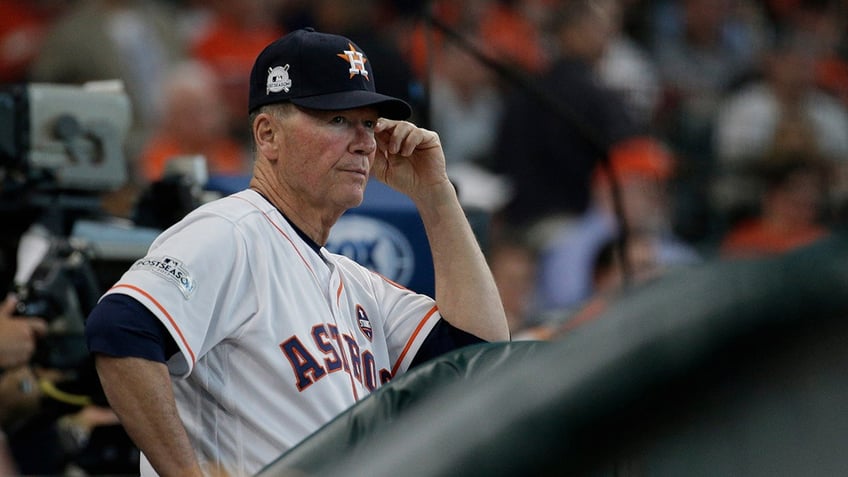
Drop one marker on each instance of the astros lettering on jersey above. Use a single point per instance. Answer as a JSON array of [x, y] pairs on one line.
[[316, 331]]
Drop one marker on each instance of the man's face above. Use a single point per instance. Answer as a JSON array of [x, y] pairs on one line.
[[644, 202], [326, 156]]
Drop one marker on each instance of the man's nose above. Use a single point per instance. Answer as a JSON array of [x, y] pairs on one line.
[[364, 143]]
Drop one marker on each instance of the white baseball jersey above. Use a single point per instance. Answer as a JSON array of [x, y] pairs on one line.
[[275, 339]]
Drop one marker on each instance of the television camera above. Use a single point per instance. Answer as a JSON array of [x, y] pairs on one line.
[[61, 150]]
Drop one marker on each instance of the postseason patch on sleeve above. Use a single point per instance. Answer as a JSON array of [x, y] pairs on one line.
[[170, 269]]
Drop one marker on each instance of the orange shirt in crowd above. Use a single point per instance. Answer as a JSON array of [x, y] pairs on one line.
[[509, 38], [513, 38], [23, 26], [230, 49], [225, 157], [758, 238]]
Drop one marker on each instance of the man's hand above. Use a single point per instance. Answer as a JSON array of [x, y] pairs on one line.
[[411, 160], [408, 158], [18, 335]]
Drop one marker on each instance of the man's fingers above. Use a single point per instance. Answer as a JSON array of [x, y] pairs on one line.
[[38, 326], [411, 142], [400, 137], [396, 137], [7, 308]]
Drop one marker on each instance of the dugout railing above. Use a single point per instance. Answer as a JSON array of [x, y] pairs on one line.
[[731, 368]]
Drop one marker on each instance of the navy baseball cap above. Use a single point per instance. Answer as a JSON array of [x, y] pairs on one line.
[[318, 71]]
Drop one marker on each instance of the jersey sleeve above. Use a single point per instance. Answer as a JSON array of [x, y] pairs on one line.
[[443, 338], [121, 326], [196, 281], [408, 319]]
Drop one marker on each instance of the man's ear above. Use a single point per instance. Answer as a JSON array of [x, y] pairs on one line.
[[264, 134]]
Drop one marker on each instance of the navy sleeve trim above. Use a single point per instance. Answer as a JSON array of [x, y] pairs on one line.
[[121, 326], [444, 337]]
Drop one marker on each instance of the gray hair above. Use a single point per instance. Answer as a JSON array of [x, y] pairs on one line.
[[278, 110]]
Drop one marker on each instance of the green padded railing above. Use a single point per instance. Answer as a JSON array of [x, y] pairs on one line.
[[729, 368]]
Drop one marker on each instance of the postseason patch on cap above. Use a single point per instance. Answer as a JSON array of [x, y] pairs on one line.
[[170, 269], [278, 80]]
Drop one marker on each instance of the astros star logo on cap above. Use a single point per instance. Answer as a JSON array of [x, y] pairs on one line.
[[356, 59]]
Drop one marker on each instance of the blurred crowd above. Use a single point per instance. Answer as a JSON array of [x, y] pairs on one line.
[[609, 140]]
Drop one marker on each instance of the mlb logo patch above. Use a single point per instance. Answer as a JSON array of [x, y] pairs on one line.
[[170, 269], [278, 80]]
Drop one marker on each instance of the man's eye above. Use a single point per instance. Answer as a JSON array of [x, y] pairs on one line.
[[338, 120], [369, 123]]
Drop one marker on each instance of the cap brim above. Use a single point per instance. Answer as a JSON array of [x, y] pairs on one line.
[[387, 106]]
